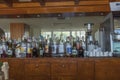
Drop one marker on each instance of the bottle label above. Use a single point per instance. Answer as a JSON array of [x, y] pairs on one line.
[[54, 47], [68, 50], [74, 52], [77, 45], [23, 49], [61, 49], [46, 49], [29, 51], [41, 52], [9, 52]]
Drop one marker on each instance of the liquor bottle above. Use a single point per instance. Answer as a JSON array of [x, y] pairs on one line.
[[1, 50], [54, 48], [41, 49], [74, 52], [23, 48], [4, 55], [79, 48], [74, 42], [61, 47], [18, 51], [41, 46], [29, 49], [46, 49], [77, 43], [80, 52], [4, 49], [35, 51], [10, 50], [68, 47]]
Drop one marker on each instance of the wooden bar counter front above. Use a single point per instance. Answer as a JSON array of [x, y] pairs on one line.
[[63, 68]]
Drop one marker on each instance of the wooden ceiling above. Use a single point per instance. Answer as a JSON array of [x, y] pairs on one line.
[[32, 7]]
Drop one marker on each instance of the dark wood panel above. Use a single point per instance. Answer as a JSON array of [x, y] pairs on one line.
[[107, 70], [85, 70], [37, 78], [64, 77], [3, 60], [16, 30], [37, 69], [63, 68], [16, 71]]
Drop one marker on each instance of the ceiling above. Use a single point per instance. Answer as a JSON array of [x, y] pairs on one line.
[[26, 8]]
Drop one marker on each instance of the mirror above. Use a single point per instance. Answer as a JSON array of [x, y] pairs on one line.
[[53, 24]]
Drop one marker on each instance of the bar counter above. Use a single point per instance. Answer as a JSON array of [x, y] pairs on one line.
[[62, 68]]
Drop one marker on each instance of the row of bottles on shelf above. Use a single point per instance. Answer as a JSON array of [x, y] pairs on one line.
[[35, 47]]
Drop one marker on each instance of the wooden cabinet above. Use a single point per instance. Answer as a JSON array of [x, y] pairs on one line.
[[64, 70], [17, 30], [107, 69], [85, 70], [16, 70], [64, 77], [37, 70]]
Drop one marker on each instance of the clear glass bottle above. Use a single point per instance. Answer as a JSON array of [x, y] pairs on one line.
[[54, 48], [61, 49], [35, 50], [4, 48], [68, 47], [29, 50], [23, 48], [41, 50], [74, 52]]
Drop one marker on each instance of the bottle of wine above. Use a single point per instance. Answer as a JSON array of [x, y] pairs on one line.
[[41, 49], [79, 48], [47, 49], [35, 51]]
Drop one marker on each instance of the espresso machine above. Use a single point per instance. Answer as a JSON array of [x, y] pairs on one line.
[[89, 37]]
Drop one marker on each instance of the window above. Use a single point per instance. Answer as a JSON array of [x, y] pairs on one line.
[[80, 34], [46, 34]]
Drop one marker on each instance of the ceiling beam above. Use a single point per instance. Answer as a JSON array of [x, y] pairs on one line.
[[9, 3], [76, 2], [54, 4], [42, 2], [41, 10]]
